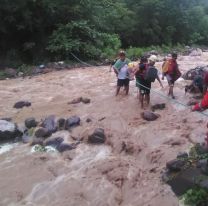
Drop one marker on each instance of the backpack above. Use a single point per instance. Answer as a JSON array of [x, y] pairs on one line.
[[165, 66], [151, 74]]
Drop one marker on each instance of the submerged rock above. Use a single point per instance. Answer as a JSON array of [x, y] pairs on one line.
[[21, 104], [149, 116], [158, 107], [72, 122], [31, 122], [65, 147], [54, 142], [98, 136], [50, 124], [86, 100]]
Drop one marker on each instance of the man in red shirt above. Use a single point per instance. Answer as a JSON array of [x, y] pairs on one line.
[[205, 85]]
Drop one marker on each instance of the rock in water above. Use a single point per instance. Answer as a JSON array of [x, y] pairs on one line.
[[75, 101], [42, 132], [175, 165], [54, 142], [149, 116], [50, 124], [86, 100], [72, 121], [98, 136], [65, 147], [8, 130], [30, 122], [21, 104], [158, 106], [61, 123]]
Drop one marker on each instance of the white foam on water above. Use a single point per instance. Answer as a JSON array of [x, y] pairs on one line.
[[6, 148]]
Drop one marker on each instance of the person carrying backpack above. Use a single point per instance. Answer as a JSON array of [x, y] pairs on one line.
[[122, 73], [148, 73], [139, 75], [172, 73]]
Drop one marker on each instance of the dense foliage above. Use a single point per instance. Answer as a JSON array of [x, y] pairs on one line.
[[33, 31]]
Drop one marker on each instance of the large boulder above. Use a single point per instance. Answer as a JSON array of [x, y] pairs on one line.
[[8, 130], [50, 124], [72, 122], [98, 136], [31, 122], [192, 73], [21, 104], [149, 116]]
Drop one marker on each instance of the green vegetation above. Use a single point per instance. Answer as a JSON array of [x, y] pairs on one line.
[[37, 31], [196, 197]]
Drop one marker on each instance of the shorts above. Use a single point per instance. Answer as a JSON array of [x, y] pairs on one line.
[[123, 82], [144, 86], [170, 80]]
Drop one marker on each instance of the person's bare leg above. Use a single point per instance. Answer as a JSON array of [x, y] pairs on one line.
[[141, 98], [117, 90], [127, 89], [171, 91], [148, 99]]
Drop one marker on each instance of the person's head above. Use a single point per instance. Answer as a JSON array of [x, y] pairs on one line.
[[152, 59], [143, 60], [122, 55], [174, 55]]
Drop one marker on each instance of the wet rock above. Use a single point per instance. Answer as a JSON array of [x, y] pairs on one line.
[[201, 163], [61, 123], [11, 73], [88, 120], [72, 122], [196, 52], [50, 124], [21, 104], [37, 141], [175, 165], [8, 130], [98, 136], [204, 184], [182, 155], [192, 73], [80, 99], [149, 116], [30, 122], [54, 142], [204, 169], [86, 100], [158, 107], [8, 119], [184, 180], [75, 101], [42, 132], [65, 147]]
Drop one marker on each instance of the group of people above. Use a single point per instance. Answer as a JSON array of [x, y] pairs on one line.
[[145, 73]]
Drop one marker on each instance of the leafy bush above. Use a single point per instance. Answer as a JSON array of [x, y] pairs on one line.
[[196, 197], [80, 37]]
